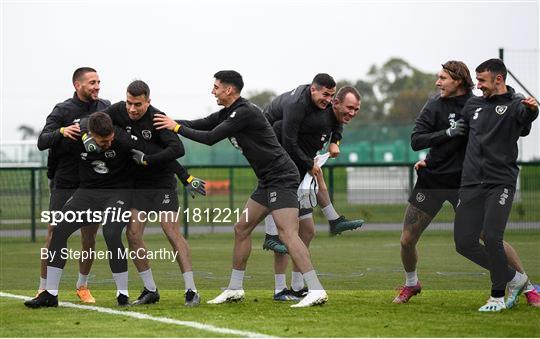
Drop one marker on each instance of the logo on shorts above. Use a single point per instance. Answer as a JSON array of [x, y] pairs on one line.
[[504, 196], [166, 199], [273, 196], [323, 137], [110, 154], [120, 202], [458, 203], [146, 134], [420, 197], [452, 116], [501, 109]]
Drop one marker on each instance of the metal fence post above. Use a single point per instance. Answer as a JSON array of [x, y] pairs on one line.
[[33, 204], [411, 178], [231, 188], [185, 215], [331, 183]]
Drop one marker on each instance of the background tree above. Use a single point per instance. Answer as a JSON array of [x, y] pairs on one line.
[[261, 99]]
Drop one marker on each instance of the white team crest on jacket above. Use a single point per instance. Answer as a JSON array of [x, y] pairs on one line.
[[146, 134], [501, 109], [110, 154], [420, 197]]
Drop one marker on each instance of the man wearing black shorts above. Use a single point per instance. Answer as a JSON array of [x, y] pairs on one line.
[[106, 179], [312, 131], [63, 170], [439, 128], [155, 189], [488, 183], [249, 131]]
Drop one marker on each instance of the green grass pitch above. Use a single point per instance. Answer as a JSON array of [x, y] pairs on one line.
[[359, 269]]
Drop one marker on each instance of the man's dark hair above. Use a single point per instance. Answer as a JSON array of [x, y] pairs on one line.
[[459, 72], [231, 78], [139, 87], [494, 66], [343, 91], [323, 80], [80, 72], [100, 124]]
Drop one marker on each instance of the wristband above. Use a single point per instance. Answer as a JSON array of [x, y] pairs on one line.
[[62, 130], [176, 128], [190, 179]]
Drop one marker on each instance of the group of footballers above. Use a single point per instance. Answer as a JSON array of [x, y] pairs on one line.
[[124, 155]]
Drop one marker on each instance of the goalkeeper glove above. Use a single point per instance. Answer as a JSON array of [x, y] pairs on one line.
[[138, 156], [456, 128], [90, 144], [195, 185]]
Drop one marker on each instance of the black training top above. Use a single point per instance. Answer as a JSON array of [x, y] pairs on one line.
[[446, 154], [314, 131], [160, 173], [495, 125], [113, 168], [292, 108], [60, 168], [248, 131]]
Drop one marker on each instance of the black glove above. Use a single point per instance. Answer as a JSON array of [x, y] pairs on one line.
[[90, 144], [456, 128], [138, 156], [195, 185]]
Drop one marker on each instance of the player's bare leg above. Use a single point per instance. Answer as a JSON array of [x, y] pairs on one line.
[[416, 221], [134, 234]]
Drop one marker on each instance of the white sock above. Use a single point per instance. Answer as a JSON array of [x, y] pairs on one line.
[[189, 283], [529, 287], [237, 279], [411, 278], [280, 282], [305, 216], [82, 281], [312, 281], [121, 280], [148, 280], [54, 274], [517, 277], [329, 212], [270, 225], [42, 283], [297, 281]]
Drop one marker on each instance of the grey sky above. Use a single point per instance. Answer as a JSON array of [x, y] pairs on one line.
[[176, 46]]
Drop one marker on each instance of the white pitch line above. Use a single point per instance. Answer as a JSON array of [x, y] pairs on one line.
[[137, 315]]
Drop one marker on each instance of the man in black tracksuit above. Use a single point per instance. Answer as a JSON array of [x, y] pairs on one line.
[[298, 137], [63, 170], [249, 131], [106, 181], [307, 134], [155, 188], [496, 120], [440, 128]]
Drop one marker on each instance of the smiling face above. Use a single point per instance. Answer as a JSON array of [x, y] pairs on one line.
[[447, 86], [488, 83], [104, 142], [321, 96], [87, 87], [346, 109], [137, 106], [222, 92]]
